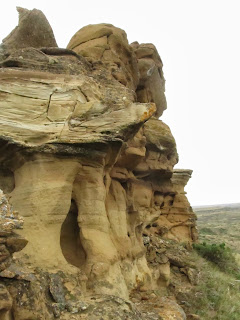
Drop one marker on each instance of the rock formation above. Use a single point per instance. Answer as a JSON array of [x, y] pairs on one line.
[[88, 164], [10, 242]]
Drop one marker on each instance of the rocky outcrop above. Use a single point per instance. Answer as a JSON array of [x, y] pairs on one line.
[[151, 85], [33, 31], [89, 165], [10, 242], [177, 220], [137, 67]]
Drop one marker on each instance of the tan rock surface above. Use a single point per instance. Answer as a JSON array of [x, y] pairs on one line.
[[10, 242], [151, 86], [108, 44], [177, 221], [90, 168]]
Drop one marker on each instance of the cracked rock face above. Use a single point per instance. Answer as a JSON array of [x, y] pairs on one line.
[[85, 159]]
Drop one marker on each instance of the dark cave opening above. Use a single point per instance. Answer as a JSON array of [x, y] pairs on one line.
[[70, 241], [7, 183]]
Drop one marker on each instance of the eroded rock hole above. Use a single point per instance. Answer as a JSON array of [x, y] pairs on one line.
[[7, 182], [70, 241], [162, 205]]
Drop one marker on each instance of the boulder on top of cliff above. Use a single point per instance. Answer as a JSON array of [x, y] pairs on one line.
[[151, 86], [33, 30], [48, 109], [137, 66], [106, 43]]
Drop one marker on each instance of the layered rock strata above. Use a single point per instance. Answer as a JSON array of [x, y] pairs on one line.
[[84, 157], [177, 220]]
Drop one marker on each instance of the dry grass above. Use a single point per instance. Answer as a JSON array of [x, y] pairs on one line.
[[217, 294], [220, 224]]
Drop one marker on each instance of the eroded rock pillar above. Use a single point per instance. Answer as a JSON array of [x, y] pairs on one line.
[[102, 259], [42, 195]]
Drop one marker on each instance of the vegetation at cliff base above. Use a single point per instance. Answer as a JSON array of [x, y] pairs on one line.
[[217, 256], [221, 255], [217, 294]]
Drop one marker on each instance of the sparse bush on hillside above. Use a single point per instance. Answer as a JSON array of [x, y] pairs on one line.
[[216, 295], [220, 255]]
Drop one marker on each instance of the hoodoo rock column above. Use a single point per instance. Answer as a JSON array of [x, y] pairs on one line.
[[43, 190]]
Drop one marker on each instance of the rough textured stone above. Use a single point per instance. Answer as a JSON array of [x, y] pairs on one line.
[[151, 86], [177, 221], [137, 66], [33, 30], [5, 303], [109, 45], [88, 165], [10, 242]]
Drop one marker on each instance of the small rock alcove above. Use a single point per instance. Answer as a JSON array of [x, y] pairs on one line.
[[70, 241], [7, 182]]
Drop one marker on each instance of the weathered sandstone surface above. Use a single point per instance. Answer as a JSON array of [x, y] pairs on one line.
[[88, 164]]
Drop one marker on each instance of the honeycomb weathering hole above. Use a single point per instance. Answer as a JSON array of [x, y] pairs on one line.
[[70, 241]]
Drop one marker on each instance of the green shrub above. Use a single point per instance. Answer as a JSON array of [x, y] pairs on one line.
[[220, 255]]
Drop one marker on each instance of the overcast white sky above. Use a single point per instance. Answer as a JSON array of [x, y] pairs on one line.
[[199, 43]]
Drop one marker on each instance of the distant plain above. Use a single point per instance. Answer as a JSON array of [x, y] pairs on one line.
[[220, 223]]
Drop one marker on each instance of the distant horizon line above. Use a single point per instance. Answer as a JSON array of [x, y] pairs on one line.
[[217, 205]]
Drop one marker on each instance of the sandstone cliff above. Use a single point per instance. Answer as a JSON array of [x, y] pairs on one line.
[[88, 164]]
